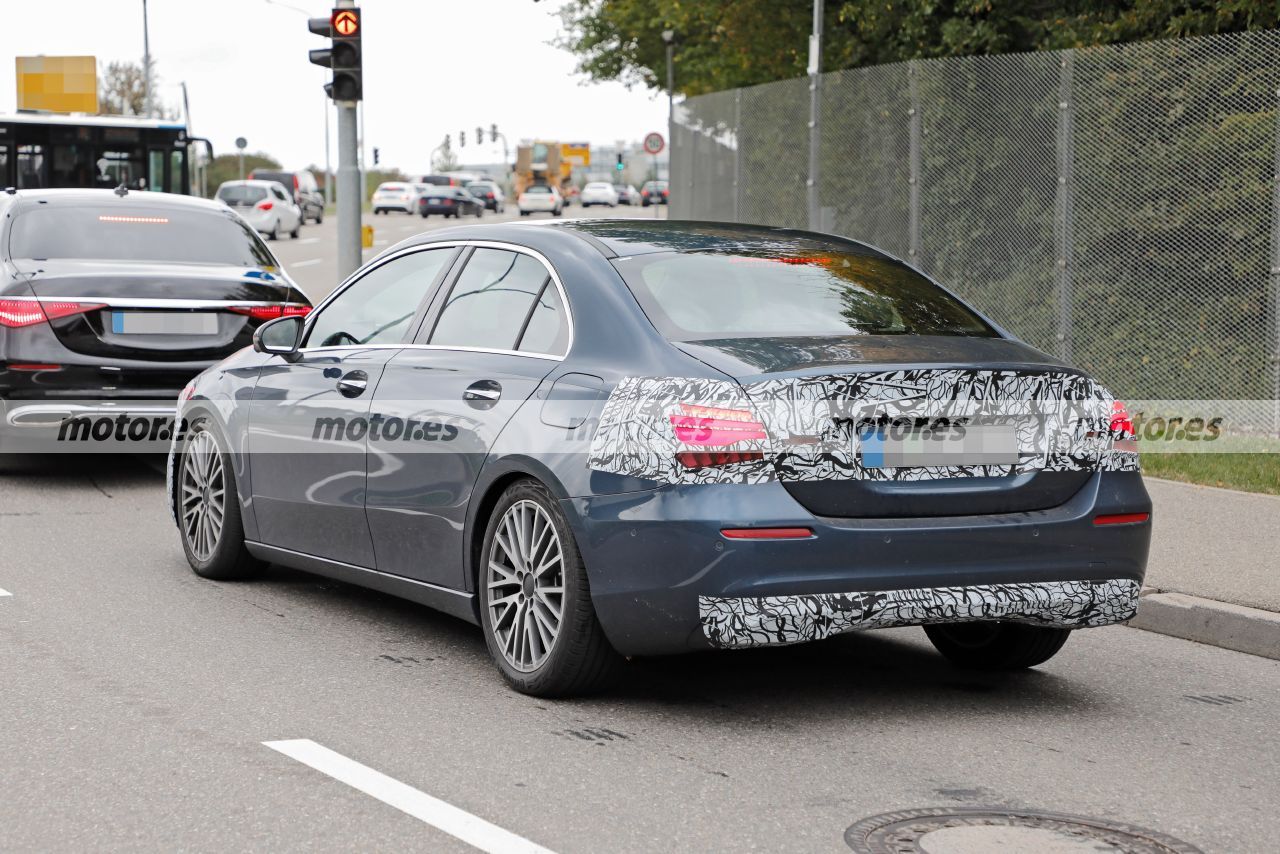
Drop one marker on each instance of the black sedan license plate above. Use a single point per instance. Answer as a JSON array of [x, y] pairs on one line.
[[163, 323]]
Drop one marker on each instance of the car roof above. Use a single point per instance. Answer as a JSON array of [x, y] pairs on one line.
[[72, 196], [251, 182]]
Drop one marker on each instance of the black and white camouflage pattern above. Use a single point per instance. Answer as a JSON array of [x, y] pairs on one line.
[[1062, 420], [770, 620]]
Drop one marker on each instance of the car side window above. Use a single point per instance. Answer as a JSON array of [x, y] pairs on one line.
[[378, 307], [490, 303]]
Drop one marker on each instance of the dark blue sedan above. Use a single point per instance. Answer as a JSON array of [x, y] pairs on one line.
[[613, 438]]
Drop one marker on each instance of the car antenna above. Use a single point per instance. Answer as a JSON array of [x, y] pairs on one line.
[[121, 191]]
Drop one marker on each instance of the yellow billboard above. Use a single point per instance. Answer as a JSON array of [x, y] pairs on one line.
[[576, 153], [58, 84]]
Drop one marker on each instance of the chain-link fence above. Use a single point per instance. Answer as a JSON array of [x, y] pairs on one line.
[[1118, 206]]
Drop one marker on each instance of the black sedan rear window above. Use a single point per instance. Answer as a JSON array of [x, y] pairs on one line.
[[137, 233], [699, 296]]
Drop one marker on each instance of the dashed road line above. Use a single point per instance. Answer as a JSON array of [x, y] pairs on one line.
[[307, 240], [306, 263], [456, 822], [5, 593]]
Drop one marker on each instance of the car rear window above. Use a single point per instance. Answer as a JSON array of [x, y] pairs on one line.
[[137, 233], [285, 178], [391, 188], [242, 194], [538, 189], [791, 292]]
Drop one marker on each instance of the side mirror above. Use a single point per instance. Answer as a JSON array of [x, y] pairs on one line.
[[279, 337]]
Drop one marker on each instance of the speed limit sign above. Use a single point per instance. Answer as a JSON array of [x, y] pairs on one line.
[[654, 143]]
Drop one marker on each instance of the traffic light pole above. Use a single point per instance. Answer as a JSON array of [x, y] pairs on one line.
[[348, 191]]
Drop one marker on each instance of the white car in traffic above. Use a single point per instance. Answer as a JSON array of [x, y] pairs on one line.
[[265, 205], [395, 196], [599, 193], [541, 197]]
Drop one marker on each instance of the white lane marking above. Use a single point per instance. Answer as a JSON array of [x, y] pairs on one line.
[[408, 227], [306, 263], [458, 823], [379, 243], [5, 593], [308, 240]]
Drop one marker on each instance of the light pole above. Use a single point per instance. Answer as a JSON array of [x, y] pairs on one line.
[[815, 107], [669, 36], [146, 63]]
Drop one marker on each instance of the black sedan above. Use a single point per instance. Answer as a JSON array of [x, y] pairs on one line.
[[111, 301], [611, 438], [449, 201]]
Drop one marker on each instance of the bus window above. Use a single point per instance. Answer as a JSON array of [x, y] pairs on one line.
[[177, 159], [119, 167], [31, 167], [72, 166], [155, 170], [4, 165]]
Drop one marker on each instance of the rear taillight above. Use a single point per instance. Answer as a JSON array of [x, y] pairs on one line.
[[712, 426], [34, 367], [488, 195], [1121, 428], [16, 313], [264, 205], [270, 311]]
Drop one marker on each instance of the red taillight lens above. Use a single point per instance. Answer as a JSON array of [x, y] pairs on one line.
[[264, 205], [1121, 519], [766, 533], [488, 195], [711, 426], [16, 313], [711, 459], [270, 311], [1121, 423], [34, 367]]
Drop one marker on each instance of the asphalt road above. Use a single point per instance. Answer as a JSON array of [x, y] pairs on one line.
[[137, 699], [312, 259]]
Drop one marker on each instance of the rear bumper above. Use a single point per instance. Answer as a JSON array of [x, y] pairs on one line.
[[665, 580]]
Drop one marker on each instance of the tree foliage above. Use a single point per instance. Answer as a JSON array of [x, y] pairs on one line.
[[723, 44], [122, 91], [226, 167]]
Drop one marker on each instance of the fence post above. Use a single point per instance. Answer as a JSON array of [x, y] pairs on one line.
[[1064, 205], [913, 179], [1275, 280], [737, 155]]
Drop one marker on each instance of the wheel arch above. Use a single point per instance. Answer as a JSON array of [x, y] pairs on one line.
[[494, 480]]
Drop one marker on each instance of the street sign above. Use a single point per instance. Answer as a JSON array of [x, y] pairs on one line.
[[654, 143], [576, 153], [242, 143]]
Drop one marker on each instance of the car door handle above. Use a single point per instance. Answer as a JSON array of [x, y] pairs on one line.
[[482, 393], [353, 384]]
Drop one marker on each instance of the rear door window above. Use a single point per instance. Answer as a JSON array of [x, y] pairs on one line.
[[490, 305]]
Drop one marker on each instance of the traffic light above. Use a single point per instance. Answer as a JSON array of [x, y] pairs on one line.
[[619, 167], [343, 28], [375, 155], [462, 139], [479, 136], [493, 132]]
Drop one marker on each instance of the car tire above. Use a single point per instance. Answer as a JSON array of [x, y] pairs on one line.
[[579, 659], [557, 212], [320, 216], [214, 549], [297, 231], [479, 212], [274, 233], [524, 213], [996, 646]]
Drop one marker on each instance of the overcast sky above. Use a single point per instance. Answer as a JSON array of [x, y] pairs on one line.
[[431, 67]]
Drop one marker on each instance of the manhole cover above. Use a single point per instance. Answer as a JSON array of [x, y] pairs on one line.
[[977, 830]]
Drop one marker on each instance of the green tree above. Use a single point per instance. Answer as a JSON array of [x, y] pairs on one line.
[[724, 44]]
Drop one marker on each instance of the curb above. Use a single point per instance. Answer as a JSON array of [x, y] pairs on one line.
[[1207, 621]]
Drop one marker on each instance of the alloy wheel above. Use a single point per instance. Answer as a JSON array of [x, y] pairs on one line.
[[525, 579], [204, 495]]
